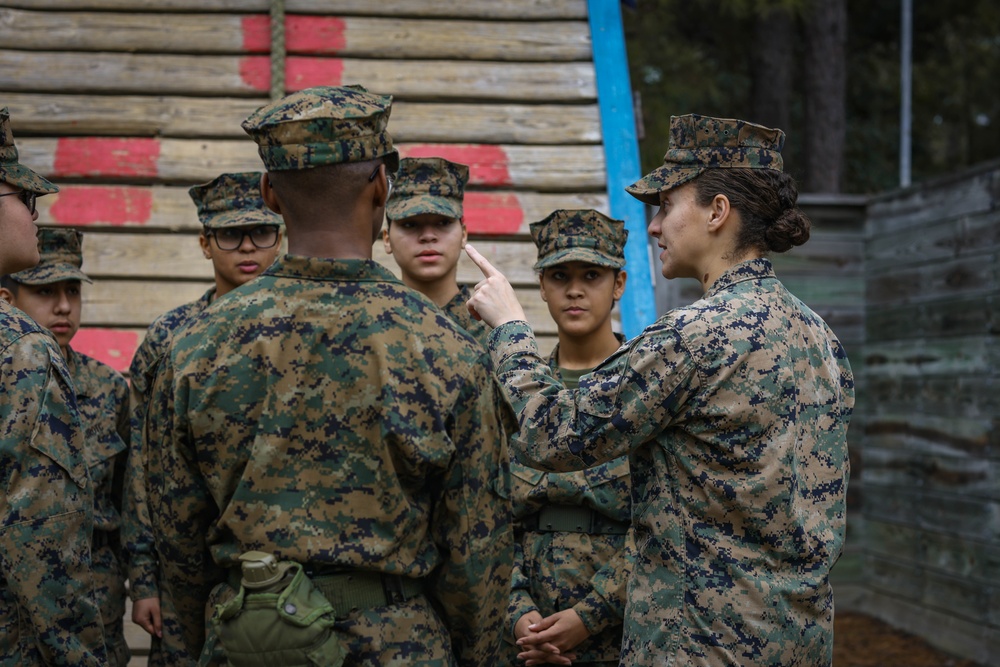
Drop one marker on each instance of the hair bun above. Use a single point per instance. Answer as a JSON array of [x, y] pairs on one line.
[[790, 229]]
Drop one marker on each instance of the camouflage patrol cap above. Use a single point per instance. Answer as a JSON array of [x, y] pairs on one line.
[[61, 251], [233, 200], [427, 185], [11, 171], [583, 235], [698, 143], [323, 126]]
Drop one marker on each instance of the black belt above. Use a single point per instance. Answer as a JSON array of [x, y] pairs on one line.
[[572, 519]]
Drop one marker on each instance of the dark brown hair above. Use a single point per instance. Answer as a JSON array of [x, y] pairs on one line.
[[766, 201]]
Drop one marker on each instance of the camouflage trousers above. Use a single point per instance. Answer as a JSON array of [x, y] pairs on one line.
[[109, 588], [408, 634]]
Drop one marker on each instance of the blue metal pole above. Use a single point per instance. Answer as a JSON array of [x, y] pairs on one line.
[[621, 155]]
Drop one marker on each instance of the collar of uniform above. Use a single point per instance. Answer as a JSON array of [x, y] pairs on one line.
[[754, 269], [320, 268]]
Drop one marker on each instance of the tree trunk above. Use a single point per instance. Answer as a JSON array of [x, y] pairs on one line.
[[771, 68], [825, 70]]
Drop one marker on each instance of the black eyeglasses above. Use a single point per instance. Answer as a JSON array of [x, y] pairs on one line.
[[29, 198], [231, 238]]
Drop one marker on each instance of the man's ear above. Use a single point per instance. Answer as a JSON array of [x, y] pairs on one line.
[[381, 197], [620, 281], [8, 296], [385, 240], [268, 194]]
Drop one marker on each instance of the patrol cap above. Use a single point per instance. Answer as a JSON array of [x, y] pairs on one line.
[[583, 235], [233, 200], [11, 171], [61, 251], [322, 126], [427, 185], [698, 143]]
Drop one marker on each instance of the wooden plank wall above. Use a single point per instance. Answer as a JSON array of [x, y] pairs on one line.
[[931, 447], [125, 104]]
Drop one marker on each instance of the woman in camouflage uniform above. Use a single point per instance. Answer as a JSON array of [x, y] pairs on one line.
[[572, 537], [733, 411]]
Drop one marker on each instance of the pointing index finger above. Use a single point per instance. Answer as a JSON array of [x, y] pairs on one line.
[[484, 265]]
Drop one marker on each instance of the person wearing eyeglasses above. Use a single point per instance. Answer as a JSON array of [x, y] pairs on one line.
[[50, 294], [49, 614], [242, 238]]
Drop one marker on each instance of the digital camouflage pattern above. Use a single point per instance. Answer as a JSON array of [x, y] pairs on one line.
[[330, 415], [734, 413], [102, 398], [427, 185], [61, 252], [12, 171], [137, 532], [698, 143], [583, 235], [233, 200], [458, 311], [559, 570], [322, 126], [48, 611]]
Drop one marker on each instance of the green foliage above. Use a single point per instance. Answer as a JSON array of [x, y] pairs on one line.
[[692, 57]]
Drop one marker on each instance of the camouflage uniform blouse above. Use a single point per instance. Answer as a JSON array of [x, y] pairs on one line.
[[102, 398], [136, 532], [459, 312], [734, 412], [330, 415], [559, 570], [48, 612]]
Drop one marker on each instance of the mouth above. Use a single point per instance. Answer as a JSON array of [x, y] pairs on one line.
[[60, 327], [428, 255], [574, 310], [248, 267]]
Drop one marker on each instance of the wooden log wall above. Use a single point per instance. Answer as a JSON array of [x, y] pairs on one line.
[[931, 445], [126, 104]]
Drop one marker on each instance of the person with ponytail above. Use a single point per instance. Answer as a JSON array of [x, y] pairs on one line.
[[733, 412]]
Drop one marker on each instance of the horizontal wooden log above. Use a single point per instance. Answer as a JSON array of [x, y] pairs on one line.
[[970, 517], [975, 315], [115, 347], [246, 76], [554, 168], [354, 37], [132, 304], [967, 396], [922, 432], [935, 242], [942, 357], [483, 9], [177, 256], [971, 192], [180, 117], [974, 275], [157, 208], [962, 475]]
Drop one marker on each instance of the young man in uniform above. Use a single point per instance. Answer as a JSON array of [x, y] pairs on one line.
[[50, 294], [48, 611], [425, 233], [330, 421], [573, 551], [241, 237]]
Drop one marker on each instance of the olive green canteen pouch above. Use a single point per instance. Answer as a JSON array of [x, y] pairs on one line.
[[277, 619]]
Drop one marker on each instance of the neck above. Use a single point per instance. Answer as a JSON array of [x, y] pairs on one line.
[[331, 242], [439, 291], [720, 265], [585, 352]]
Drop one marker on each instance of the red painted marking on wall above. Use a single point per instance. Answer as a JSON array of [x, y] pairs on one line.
[[256, 34], [300, 73], [490, 213], [88, 205], [487, 164], [93, 156], [303, 34], [113, 347]]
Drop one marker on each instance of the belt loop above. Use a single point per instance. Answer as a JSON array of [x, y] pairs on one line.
[[393, 589]]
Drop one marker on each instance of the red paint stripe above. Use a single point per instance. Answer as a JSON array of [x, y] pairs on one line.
[[487, 164], [490, 213], [113, 347], [92, 156], [300, 73], [105, 205], [303, 34]]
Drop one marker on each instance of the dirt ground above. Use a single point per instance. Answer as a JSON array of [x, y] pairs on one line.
[[863, 641]]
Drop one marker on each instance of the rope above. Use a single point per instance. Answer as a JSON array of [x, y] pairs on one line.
[[277, 49]]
